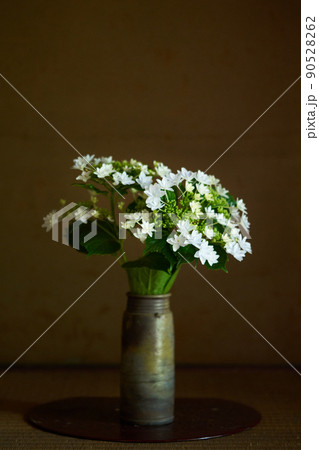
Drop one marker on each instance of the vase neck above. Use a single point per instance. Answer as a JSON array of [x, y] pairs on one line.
[[148, 303]]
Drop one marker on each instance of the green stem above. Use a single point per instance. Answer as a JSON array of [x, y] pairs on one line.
[[121, 251], [113, 206], [112, 199]]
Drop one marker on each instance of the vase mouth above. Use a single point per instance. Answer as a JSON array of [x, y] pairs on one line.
[[149, 296]]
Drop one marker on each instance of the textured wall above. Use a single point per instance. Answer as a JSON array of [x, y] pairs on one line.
[[176, 81]]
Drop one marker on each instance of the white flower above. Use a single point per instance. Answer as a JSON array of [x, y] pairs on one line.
[[104, 171], [227, 238], [210, 212], [161, 170], [234, 212], [195, 207], [138, 233], [202, 177], [244, 244], [154, 190], [195, 239], [207, 253], [202, 189], [143, 180], [231, 224], [95, 213], [209, 196], [213, 180], [187, 175], [245, 223], [209, 232], [148, 227], [122, 178], [221, 219], [154, 203], [48, 221], [116, 178], [132, 219], [88, 158], [176, 241], [175, 178], [166, 184], [128, 224], [221, 191], [231, 232], [133, 216], [107, 160], [197, 196], [82, 161], [233, 249], [154, 193], [85, 176], [234, 232], [82, 214], [189, 187], [241, 205], [185, 227], [143, 167], [146, 216], [126, 179]]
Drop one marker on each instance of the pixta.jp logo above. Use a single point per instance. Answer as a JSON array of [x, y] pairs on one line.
[[80, 215]]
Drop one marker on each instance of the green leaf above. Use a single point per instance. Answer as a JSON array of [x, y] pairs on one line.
[[154, 261], [222, 260], [220, 227], [150, 275], [84, 229], [101, 244], [146, 281], [231, 200], [104, 242], [171, 195], [137, 205], [161, 246], [123, 189], [108, 227], [187, 253]]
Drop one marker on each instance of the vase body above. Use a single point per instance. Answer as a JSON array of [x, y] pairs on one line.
[[147, 365]]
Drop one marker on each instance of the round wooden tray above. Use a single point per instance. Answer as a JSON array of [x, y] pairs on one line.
[[98, 418]]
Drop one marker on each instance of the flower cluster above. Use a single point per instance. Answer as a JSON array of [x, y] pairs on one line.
[[139, 224], [196, 214], [125, 173], [206, 213]]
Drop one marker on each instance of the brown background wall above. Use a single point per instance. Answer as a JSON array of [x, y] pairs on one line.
[[176, 81]]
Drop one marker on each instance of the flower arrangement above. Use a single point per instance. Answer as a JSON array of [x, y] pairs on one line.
[[182, 217]]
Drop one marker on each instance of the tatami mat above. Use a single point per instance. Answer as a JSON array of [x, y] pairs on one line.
[[274, 392]]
